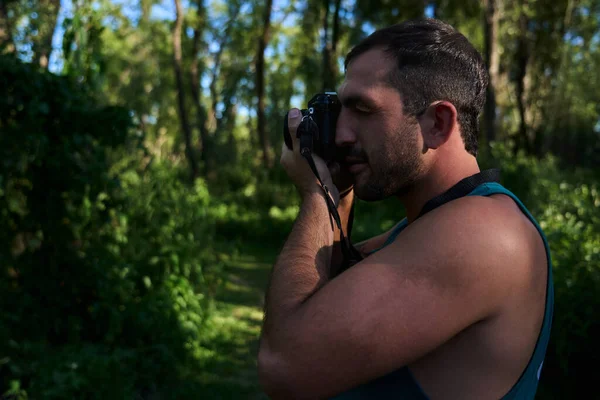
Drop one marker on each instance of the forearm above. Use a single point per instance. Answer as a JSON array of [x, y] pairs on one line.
[[302, 267]]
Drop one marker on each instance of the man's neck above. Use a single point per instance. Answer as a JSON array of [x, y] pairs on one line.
[[437, 181]]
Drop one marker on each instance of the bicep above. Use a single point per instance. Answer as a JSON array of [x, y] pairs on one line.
[[392, 308], [371, 321]]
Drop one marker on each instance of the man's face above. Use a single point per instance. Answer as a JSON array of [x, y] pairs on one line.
[[382, 145]]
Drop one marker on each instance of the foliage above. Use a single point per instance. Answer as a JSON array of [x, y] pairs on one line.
[[82, 45], [110, 262], [566, 203], [104, 273]]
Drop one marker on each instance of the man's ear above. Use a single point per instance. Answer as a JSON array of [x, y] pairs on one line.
[[437, 123]]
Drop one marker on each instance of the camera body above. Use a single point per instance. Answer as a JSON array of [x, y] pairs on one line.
[[323, 111]]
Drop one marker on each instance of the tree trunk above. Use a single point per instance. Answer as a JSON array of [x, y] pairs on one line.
[[201, 114], [330, 74], [7, 42], [213, 122], [335, 37], [556, 112], [177, 63], [521, 62], [146, 9], [48, 16], [260, 84], [327, 50], [492, 60]]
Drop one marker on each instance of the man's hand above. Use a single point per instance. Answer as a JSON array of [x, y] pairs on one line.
[[342, 178], [297, 167]]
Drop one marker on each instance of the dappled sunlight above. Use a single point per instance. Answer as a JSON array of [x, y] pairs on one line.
[[233, 330], [142, 204]]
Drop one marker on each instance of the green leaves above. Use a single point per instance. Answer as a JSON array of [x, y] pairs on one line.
[[106, 265], [566, 203]]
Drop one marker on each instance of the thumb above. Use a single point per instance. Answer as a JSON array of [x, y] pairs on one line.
[[294, 118]]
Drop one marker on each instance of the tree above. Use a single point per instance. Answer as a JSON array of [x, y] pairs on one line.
[[83, 58], [330, 68], [260, 84], [48, 11], [522, 57], [7, 43], [492, 59], [178, 67], [201, 114]]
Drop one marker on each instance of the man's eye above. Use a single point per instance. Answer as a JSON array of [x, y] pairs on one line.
[[361, 108]]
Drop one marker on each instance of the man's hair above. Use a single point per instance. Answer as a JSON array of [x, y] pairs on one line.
[[435, 62]]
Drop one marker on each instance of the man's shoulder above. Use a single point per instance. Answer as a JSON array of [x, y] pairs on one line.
[[491, 209], [487, 238], [496, 218]]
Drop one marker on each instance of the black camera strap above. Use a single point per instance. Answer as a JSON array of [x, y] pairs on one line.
[[462, 188], [350, 255]]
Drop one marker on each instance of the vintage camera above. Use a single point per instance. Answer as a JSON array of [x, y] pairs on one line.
[[318, 125]]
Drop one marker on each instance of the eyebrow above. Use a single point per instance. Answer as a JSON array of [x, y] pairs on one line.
[[354, 99]]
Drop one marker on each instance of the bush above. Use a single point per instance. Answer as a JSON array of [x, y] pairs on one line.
[[566, 203], [107, 269]]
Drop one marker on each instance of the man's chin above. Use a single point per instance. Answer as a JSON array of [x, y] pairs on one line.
[[366, 192]]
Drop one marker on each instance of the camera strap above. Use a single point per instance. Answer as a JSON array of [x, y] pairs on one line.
[[350, 255], [462, 188]]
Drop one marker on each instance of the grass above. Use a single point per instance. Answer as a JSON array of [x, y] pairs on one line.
[[229, 368], [231, 347]]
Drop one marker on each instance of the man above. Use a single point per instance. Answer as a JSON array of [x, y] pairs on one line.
[[456, 301]]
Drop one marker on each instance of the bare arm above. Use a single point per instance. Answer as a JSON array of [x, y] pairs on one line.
[[320, 338], [303, 265]]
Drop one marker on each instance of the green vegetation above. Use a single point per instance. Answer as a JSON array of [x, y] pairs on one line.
[[142, 204]]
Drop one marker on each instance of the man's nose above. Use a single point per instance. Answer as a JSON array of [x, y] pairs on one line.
[[344, 134]]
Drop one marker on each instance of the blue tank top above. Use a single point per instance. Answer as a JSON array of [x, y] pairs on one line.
[[401, 384]]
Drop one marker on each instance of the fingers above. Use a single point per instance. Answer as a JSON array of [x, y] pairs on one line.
[[294, 118]]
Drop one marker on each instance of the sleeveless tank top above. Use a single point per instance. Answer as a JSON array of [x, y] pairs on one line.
[[401, 384]]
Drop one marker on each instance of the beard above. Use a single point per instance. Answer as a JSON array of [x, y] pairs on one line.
[[393, 167]]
